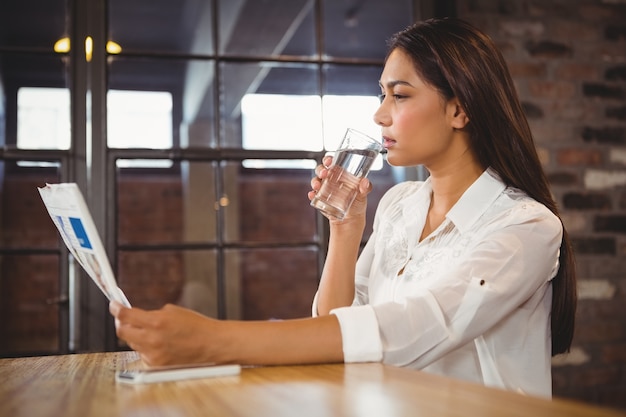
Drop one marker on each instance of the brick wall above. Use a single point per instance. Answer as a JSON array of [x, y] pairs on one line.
[[568, 59]]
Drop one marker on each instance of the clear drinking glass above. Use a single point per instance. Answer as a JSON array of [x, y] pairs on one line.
[[351, 162]]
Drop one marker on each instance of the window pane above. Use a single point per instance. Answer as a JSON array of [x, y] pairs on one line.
[[259, 113], [166, 26], [176, 206], [268, 206], [350, 100], [17, 24], [267, 28], [139, 119], [189, 83], [24, 220], [360, 29], [35, 110], [151, 279], [29, 321], [266, 78], [260, 131], [275, 283], [343, 112], [43, 118]]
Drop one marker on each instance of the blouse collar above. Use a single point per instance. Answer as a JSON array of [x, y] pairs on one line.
[[476, 200]]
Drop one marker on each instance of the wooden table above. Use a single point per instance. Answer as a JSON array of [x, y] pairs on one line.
[[84, 385]]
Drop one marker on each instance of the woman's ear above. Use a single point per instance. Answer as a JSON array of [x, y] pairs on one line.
[[459, 118]]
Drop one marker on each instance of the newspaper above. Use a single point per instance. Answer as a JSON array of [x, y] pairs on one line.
[[71, 216]]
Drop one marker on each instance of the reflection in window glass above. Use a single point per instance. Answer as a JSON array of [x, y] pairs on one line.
[[294, 122], [162, 25], [267, 28], [43, 118], [33, 23], [362, 26]]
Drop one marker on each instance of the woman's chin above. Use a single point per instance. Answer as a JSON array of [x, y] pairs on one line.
[[393, 159]]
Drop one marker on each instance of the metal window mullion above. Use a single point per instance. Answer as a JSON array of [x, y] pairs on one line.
[[219, 180], [77, 166]]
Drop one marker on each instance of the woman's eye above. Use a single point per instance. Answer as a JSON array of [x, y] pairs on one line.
[[381, 97]]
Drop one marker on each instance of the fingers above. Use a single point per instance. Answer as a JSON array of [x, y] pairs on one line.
[[130, 327], [365, 187], [114, 308], [322, 169], [321, 172], [134, 317]]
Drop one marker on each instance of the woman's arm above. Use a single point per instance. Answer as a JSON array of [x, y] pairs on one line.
[[175, 335], [336, 288]]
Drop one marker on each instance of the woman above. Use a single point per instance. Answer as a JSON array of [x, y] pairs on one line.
[[468, 274]]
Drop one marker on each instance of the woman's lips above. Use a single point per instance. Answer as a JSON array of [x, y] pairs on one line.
[[388, 143]]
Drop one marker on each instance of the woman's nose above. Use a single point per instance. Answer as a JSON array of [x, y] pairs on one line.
[[380, 116]]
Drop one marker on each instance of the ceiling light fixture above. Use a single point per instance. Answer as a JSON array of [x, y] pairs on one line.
[[63, 46], [88, 48]]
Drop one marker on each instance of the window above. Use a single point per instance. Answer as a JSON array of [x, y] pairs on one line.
[[293, 122], [140, 119], [136, 119], [43, 118]]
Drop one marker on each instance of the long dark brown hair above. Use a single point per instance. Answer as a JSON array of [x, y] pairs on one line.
[[460, 61]]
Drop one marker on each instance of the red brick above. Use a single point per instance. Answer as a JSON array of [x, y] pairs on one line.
[[522, 28], [608, 331], [615, 353], [527, 69], [576, 71], [596, 12], [587, 376], [574, 156], [560, 90], [612, 396], [589, 311], [586, 201], [548, 50], [546, 132], [575, 30]]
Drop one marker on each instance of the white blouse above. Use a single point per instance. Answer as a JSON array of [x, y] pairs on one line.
[[471, 301]]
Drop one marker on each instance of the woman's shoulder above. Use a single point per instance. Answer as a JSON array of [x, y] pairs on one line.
[[519, 207]]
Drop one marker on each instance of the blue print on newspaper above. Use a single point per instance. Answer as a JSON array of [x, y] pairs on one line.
[[81, 234]]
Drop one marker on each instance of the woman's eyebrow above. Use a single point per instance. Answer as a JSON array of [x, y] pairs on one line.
[[391, 84]]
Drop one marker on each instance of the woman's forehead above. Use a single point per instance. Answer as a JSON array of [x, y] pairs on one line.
[[399, 69]]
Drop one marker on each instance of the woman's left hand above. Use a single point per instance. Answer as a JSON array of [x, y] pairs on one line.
[[170, 335]]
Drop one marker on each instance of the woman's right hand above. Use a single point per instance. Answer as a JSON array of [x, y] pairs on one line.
[[357, 209], [321, 172]]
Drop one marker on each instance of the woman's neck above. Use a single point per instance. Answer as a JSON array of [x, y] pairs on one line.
[[448, 187], [449, 184]]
